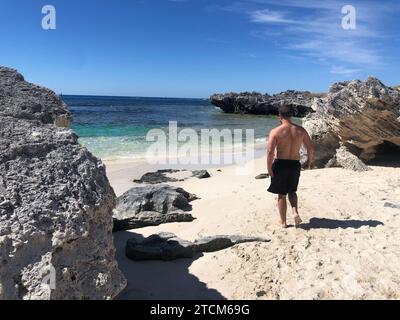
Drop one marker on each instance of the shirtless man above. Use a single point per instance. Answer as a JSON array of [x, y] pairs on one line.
[[283, 162]]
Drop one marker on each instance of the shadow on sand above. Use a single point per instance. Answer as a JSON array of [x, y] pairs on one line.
[[163, 280], [323, 223]]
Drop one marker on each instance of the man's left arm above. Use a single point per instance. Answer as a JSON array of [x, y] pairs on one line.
[[271, 151]]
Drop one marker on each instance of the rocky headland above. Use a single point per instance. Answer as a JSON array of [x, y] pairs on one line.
[[354, 123], [265, 104]]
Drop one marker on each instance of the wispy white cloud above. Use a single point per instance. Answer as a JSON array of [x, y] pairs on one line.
[[352, 52], [269, 16], [312, 29], [343, 71]]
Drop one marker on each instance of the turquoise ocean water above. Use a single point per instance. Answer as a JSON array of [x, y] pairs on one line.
[[115, 128]]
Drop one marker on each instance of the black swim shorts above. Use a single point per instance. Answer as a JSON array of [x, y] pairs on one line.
[[286, 176]]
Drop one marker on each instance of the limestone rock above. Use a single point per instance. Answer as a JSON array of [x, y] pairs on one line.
[[23, 100], [164, 175], [201, 174], [360, 115], [163, 246], [264, 104], [159, 176], [55, 203], [216, 243], [152, 205], [347, 160], [150, 218], [167, 246]]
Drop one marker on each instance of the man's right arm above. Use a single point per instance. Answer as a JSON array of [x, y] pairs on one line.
[[310, 149]]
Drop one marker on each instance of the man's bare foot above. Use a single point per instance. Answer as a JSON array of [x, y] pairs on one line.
[[297, 221], [283, 225]]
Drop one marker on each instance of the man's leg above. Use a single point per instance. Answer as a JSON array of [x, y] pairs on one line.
[[293, 202], [282, 206]]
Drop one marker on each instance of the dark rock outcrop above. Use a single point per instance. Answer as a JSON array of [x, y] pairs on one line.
[[161, 176], [355, 118], [23, 100], [162, 246], [151, 206], [216, 243], [264, 104], [167, 246], [201, 174], [55, 202]]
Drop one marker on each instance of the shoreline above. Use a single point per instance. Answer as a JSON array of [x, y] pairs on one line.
[[122, 172]]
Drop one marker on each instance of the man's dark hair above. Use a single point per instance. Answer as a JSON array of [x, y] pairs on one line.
[[285, 111]]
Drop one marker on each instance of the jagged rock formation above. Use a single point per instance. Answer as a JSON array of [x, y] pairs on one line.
[[167, 246], [151, 206], [23, 100], [356, 118], [55, 202], [264, 104], [201, 174], [164, 175], [160, 176], [345, 159]]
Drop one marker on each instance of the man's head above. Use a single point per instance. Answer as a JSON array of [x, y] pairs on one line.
[[285, 112]]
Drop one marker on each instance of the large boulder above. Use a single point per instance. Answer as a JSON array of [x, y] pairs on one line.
[[55, 202], [356, 117], [152, 205], [24, 100], [264, 104], [345, 159]]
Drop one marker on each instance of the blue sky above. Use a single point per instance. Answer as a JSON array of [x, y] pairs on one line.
[[193, 48]]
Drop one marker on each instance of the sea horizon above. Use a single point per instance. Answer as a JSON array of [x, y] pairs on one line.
[[129, 96]]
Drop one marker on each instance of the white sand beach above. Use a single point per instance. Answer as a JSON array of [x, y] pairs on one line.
[[347, 248]]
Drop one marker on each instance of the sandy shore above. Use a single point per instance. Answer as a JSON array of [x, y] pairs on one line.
[[347, 248]]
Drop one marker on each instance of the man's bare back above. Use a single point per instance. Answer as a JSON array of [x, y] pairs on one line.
[[285, 142], [289, 138], [283, 162]]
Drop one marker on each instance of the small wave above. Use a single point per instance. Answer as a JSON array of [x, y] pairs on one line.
[[260, 140]]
